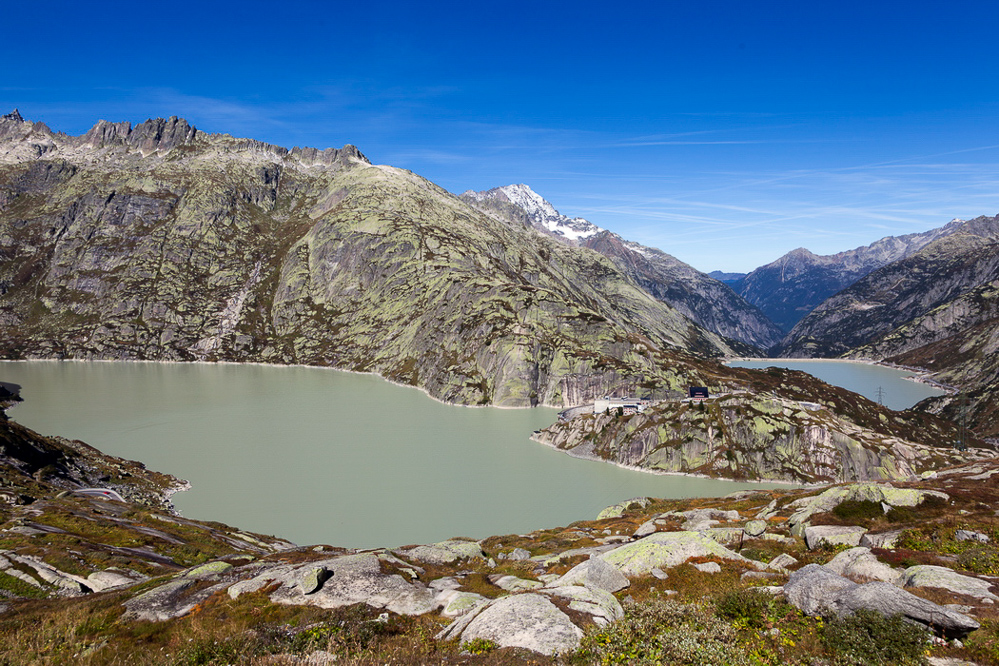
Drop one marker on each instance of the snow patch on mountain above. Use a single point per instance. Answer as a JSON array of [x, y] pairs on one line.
[[541, 212]]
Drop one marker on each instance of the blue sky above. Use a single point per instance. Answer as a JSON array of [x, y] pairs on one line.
[[725, 133]]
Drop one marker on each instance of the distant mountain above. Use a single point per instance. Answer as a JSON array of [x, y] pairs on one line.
[[706, 301], [788, 289], [521, 203], [727, 278], [159, 241], [937, 309]]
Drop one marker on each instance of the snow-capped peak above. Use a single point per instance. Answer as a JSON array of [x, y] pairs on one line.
[[541, 212]]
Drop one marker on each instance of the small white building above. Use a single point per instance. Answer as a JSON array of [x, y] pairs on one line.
[[627, 405]]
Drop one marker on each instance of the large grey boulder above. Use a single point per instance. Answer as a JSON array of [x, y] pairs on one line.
[[782, 562], [512, 583], [884, 540], [755, 528], [889, 600], [814, 589], [818, 591], [667, 549], [594, 573], [926, 575], [617, 510], [861, 563], [847, 535], [601, 604], [529, 621], [171, 600], [702, 519], [455, 603], [113, 578], [351, 579]]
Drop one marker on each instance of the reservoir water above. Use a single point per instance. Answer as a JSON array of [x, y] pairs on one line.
[[898, 392], [320, 456]]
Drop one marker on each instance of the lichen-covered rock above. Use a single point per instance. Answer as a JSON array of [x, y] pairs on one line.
[[512, 583], [873, 492], [208, 570], [594, 573], [601, 604], [455, 603], [925, 575], [848, 535], [755, 528], [666, 549], [617, 510], [881, 539], [444, 552], [112, 578], [352, 579], [861, 563], [313, 579], [782, 562]]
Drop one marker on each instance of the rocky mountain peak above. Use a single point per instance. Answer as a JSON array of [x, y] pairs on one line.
[[540, 213], [153, 135], [22, 140]]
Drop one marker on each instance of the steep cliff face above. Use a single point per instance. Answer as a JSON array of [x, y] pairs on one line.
[[704, 300], [800, 431], [163, 242], [788, 289]]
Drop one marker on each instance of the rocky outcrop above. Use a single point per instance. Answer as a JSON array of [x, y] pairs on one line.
[[755, 437]]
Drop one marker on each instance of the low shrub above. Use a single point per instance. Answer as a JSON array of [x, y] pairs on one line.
[[752, 608], [661, 631], [858, 510], [479, 646], [868, 638]]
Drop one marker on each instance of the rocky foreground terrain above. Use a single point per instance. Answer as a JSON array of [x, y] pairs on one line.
[[862, 573]]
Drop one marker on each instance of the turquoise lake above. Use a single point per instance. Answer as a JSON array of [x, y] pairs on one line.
[[898, 392], [319, 456]]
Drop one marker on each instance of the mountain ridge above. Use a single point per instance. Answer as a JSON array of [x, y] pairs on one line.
[[703, 299], [790, 287]]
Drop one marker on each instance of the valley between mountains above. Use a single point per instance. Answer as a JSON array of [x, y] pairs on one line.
[[163, 242]]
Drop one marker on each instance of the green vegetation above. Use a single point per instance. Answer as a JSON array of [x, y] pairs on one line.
[[870, 639], [662, 631]]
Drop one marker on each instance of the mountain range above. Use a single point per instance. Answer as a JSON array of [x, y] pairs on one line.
[[160, 241]]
